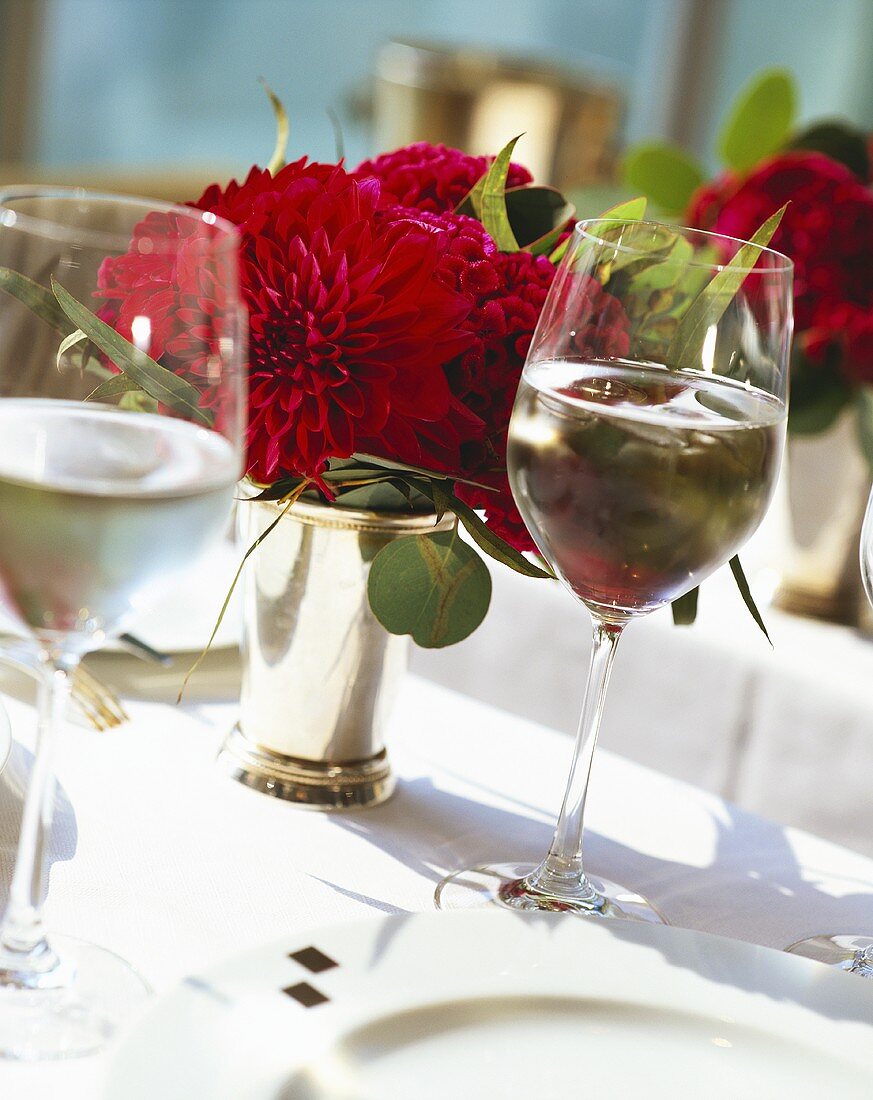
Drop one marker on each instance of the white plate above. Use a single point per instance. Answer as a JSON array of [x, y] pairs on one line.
[[492, 1004]]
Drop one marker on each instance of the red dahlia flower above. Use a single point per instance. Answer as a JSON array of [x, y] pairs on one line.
[[827, 230], [432, 178]]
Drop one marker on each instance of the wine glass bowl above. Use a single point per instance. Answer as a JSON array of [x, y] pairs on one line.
[[643, 451], [121, 439]]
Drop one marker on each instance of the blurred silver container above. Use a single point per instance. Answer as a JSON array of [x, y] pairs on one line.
[[476, 101], [825, 482], [320, 674]]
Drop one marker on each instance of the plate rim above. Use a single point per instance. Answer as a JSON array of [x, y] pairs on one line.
[[640, 934]]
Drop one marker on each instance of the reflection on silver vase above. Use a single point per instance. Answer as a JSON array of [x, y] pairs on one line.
[[320, 674]]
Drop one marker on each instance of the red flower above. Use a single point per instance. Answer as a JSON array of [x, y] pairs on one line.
[[433, 178], [827, 230], [350, 328]]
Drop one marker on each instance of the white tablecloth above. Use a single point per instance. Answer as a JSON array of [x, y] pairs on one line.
[[787, 731], [162, 859]]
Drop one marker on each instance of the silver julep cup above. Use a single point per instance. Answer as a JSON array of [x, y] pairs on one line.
[[320, 673]]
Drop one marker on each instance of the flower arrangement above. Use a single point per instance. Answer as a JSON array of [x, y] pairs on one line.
[[823, 173], [390, 310]]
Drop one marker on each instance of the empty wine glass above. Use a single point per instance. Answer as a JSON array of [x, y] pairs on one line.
[[643, 450], [109, 481], [847, 950]]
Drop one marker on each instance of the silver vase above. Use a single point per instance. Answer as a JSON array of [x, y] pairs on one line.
[[825, 482], [320, 673]]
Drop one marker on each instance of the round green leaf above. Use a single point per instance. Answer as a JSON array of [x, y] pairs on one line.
[[434, 587], [666, 175], [760, 119]]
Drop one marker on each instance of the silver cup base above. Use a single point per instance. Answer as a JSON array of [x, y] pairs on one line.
[[311, 784]]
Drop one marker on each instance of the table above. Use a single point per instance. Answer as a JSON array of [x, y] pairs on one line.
[[159, 857], [787, 731]]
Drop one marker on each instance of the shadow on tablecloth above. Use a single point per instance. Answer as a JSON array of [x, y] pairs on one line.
[[753, 889]]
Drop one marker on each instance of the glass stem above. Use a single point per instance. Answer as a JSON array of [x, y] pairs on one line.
[[561, 873], [23, 946], [863, 963]]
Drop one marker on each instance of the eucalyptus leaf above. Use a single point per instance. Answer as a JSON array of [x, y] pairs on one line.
[[760, 119], [668, 176], [277, 160], [685, 608], [707, 309], [38, 300], [113, 387], [434, 587], [840, 142], [158, 382], [864, 423], [746, 593]]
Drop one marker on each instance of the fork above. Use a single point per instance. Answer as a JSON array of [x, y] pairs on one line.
[[97, 703]]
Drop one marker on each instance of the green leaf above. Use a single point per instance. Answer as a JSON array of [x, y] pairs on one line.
[[668, 176], [339, 141], [434, 587], [537, 215], [840, 142], [113, 387], [277, 160], [685, 608], [38, 300], [158, 382], [707, 309], [631, 210], [864, 406], [493, 545], [746, 593], [488, 199], [760, 119], [818, 395], [69, 342]]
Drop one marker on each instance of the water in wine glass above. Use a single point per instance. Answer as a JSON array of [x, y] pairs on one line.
[[97, 504], [637, 482]]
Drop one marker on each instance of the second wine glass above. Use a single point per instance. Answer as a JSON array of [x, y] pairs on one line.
[[121, 442], [643, 451]]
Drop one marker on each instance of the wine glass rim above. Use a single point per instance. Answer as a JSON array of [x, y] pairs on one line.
[[781, 263], [56, 229]]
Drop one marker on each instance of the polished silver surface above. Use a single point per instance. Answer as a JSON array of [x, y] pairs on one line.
[[320, 673]]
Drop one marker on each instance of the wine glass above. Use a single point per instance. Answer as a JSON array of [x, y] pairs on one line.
[[643, 450], [106, 487], [847, 950]]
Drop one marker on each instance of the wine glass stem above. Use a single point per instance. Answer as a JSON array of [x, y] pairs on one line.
[[561, 873], [22, 932]]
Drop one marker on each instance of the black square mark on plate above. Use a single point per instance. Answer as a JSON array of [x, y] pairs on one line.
[[306, 995], [314, 960]]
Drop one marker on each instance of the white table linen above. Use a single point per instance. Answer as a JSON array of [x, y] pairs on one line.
[[161, 858], [786, 732]]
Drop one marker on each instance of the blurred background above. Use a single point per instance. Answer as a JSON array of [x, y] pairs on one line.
[[164, 94]]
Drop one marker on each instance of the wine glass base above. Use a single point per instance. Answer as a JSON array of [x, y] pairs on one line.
[[71, 1011], [840, 952], [503, 884]]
